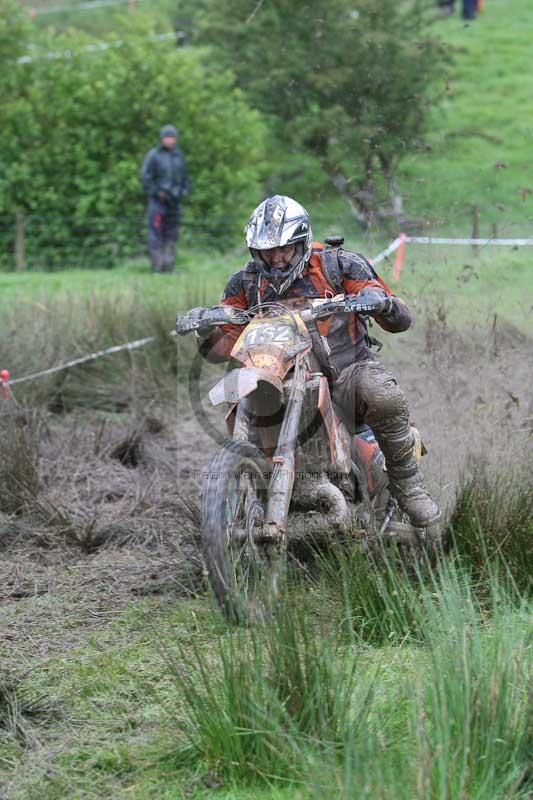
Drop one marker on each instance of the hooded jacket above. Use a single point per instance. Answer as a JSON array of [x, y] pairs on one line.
[[165, 170]]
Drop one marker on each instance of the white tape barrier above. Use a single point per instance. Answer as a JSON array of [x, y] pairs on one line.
[[480, 242], [393, 246], [35, 10], [388, 251], [91, 48], [83, 359]]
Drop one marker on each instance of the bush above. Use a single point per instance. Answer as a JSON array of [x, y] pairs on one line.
[[75, 131]]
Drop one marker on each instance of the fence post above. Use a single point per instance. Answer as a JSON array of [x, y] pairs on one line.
[[19, 243], [475, 228]]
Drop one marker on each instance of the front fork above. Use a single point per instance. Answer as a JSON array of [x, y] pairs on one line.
[[282, 480], [243, 419], [284, 459]]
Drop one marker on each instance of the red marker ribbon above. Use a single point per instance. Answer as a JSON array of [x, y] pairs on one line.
[[4, 383]]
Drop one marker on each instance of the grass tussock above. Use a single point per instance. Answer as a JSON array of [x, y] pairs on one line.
[[294, 701], [492, 523], [19, 461], [256, 704], [471, 717], [380, 603]]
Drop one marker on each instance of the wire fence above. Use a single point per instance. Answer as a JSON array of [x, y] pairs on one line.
[[54, 241], [50, 242], [36, 9]]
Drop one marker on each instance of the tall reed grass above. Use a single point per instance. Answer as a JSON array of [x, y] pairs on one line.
[[55, 330], [372, 684], [492, 523]]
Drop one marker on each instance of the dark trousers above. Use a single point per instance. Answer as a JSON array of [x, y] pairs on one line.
[[469, 7], [163, 230], [368, 392]]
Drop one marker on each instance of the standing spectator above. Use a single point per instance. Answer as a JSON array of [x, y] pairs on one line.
[[165, 180]]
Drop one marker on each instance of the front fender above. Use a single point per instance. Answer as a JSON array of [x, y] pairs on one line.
[[242, 382]]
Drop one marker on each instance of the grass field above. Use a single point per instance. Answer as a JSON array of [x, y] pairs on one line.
[[481, 134], [470, 286], [365, 687]]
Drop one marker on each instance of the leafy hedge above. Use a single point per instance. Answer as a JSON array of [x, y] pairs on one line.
[[75, 131]]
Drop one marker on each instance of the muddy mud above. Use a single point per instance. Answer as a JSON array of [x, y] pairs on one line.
[[111, 514]]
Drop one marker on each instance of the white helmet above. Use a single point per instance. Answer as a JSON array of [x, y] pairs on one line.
[[276, 222]]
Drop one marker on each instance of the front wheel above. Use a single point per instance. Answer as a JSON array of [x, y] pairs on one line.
[[245, 573]]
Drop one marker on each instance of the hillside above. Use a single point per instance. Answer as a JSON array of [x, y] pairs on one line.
[[480, 142], [478, 150]]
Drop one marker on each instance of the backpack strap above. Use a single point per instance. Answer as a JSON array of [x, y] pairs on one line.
[[331, 267], [332, 270], [250, 283]]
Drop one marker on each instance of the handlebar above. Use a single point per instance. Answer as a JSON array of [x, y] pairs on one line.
[[219, 315], [320, 308]]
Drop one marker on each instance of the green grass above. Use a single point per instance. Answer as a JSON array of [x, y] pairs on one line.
[[368, 684], [168, 702], [481, 134], [470, 286]]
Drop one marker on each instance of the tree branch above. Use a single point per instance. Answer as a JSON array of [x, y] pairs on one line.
[[254, 12]]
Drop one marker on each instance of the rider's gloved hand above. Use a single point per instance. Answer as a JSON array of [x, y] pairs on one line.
[[373, 301], [205, 331]]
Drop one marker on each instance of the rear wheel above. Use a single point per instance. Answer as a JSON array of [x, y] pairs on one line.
[[245, 573]]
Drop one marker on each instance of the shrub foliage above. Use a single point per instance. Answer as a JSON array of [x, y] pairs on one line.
[[75, 130]]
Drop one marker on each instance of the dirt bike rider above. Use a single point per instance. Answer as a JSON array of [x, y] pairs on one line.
[[287, 267]]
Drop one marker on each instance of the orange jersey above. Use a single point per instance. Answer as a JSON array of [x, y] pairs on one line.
[[344, 336]]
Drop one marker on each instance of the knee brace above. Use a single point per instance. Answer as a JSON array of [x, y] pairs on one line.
[[384, 398]]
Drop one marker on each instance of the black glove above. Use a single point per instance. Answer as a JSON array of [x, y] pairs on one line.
[[372, 301], [193, 321]]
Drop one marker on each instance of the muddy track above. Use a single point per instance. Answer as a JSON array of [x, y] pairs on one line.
[[113, 518]]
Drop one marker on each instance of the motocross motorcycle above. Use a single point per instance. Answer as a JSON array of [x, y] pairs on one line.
[[293, 464]]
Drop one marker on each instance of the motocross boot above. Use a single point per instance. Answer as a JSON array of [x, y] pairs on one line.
[[388, 416], [406, 484]]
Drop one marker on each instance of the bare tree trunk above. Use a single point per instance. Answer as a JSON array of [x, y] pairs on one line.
[[341, 184], [395, 197]]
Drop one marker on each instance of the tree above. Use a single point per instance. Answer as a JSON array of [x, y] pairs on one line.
[[348, 80]]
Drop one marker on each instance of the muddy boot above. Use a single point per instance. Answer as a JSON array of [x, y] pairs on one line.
[[398, 444], [373, 393], [406, 482], [415, 501]]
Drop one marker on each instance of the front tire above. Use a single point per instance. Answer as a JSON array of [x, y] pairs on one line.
[[245, 574]]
